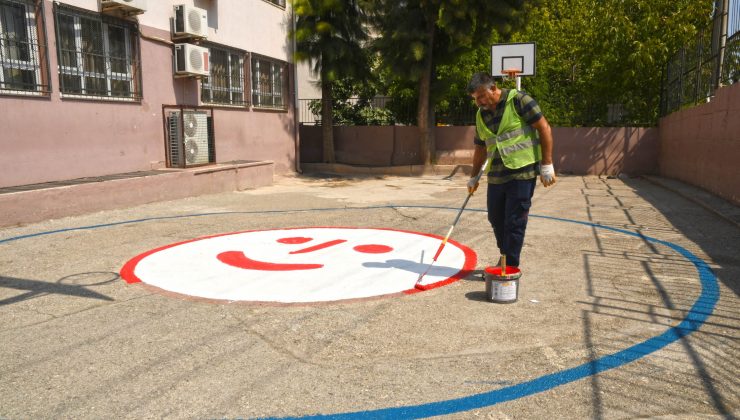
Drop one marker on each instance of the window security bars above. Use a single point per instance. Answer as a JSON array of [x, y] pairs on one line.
[[97, 57], [225, 84], [23, 63], [268, 83]]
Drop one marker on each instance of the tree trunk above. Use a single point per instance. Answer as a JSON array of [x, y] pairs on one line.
[[425, 112], [327, 121]]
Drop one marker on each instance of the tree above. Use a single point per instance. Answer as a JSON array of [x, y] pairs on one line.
[[593, 55], [416, 36], [330, 34]]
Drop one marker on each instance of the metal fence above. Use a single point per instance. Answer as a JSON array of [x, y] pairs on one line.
[[711, 60], [383, 110]]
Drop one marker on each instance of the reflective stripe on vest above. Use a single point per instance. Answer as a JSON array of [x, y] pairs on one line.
[[517, 143]]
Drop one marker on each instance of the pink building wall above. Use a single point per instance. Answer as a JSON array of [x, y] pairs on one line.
[[54, 138], [701, 145]]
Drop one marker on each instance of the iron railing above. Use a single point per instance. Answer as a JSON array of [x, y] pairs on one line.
[[382, 110], [712, 59]]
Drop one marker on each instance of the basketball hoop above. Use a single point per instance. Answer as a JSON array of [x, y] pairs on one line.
[[511, 73]]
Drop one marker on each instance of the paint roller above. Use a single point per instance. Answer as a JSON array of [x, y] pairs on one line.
[[418, 284]]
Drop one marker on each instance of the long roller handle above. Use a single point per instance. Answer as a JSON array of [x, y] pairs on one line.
[[457, 218]]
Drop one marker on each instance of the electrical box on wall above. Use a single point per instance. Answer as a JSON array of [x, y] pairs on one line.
[[190, 22], [191, 60], [128, 7]]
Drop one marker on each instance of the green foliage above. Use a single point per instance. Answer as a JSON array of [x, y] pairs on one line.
[[593, 55], [454, 27], [330, 35], [353, 104], [417, 36]]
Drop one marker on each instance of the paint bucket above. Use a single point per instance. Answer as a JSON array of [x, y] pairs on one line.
[[502, 288]]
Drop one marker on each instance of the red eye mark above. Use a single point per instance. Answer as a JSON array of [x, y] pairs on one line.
[[373, 249], [319, 246], [296, 240]]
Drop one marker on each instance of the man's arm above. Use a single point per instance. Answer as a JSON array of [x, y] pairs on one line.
[[548, 171], [479, 158], [543, 128]]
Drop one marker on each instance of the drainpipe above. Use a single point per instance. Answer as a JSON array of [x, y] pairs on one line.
[[296, 131]]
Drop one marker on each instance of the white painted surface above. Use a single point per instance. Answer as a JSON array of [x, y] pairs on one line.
[[194, 269]]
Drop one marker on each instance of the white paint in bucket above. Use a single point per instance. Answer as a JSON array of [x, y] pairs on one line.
[[502, 288]]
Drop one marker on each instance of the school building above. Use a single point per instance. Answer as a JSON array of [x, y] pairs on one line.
[[198, 92]]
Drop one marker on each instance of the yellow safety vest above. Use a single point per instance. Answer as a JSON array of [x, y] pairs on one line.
[[517, 142]]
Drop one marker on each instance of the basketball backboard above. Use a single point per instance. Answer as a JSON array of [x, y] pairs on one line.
[[519, 56]]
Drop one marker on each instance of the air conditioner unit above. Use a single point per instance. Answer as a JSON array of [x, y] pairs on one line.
[[195, 130], [175, 149], [190, 22], [191, 60], [126, 6], [189, 139]]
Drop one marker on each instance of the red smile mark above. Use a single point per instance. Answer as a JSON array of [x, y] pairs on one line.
[[239, 260]]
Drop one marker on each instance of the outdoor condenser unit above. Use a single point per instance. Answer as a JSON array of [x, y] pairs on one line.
[[188, 138], [190, 22], [191, 60]]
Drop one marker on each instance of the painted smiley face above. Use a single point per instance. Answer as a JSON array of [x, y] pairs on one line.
[[300, 265], [240, 260]]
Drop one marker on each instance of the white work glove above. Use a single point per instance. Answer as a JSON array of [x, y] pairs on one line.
[[472, 185], [547, 175]]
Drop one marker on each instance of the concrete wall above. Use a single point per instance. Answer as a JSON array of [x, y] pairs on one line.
[[52, 203], [701, 145], [587, 151], [56, 138]]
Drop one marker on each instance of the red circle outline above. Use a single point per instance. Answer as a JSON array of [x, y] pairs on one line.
[[471, 258]]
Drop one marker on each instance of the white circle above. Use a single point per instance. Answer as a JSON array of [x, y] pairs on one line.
[[301, 265]]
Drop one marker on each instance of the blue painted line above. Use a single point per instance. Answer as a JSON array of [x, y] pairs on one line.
[[126, 222], [695, 318]]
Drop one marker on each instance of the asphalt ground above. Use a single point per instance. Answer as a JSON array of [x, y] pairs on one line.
[[628, 307]]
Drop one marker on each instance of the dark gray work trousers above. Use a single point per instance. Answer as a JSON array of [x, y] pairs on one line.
[[508, 212]]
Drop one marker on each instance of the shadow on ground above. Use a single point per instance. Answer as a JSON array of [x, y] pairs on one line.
[[77, 285], [659, 289]]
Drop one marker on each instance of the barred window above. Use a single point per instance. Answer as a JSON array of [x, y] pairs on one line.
[[225, 84], [97, 55], [268, 83], [23, 55]]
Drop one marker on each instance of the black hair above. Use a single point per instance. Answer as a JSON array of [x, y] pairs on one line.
[[480, 79]]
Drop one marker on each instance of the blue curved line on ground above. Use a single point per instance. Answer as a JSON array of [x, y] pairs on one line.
[[695, 318]]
